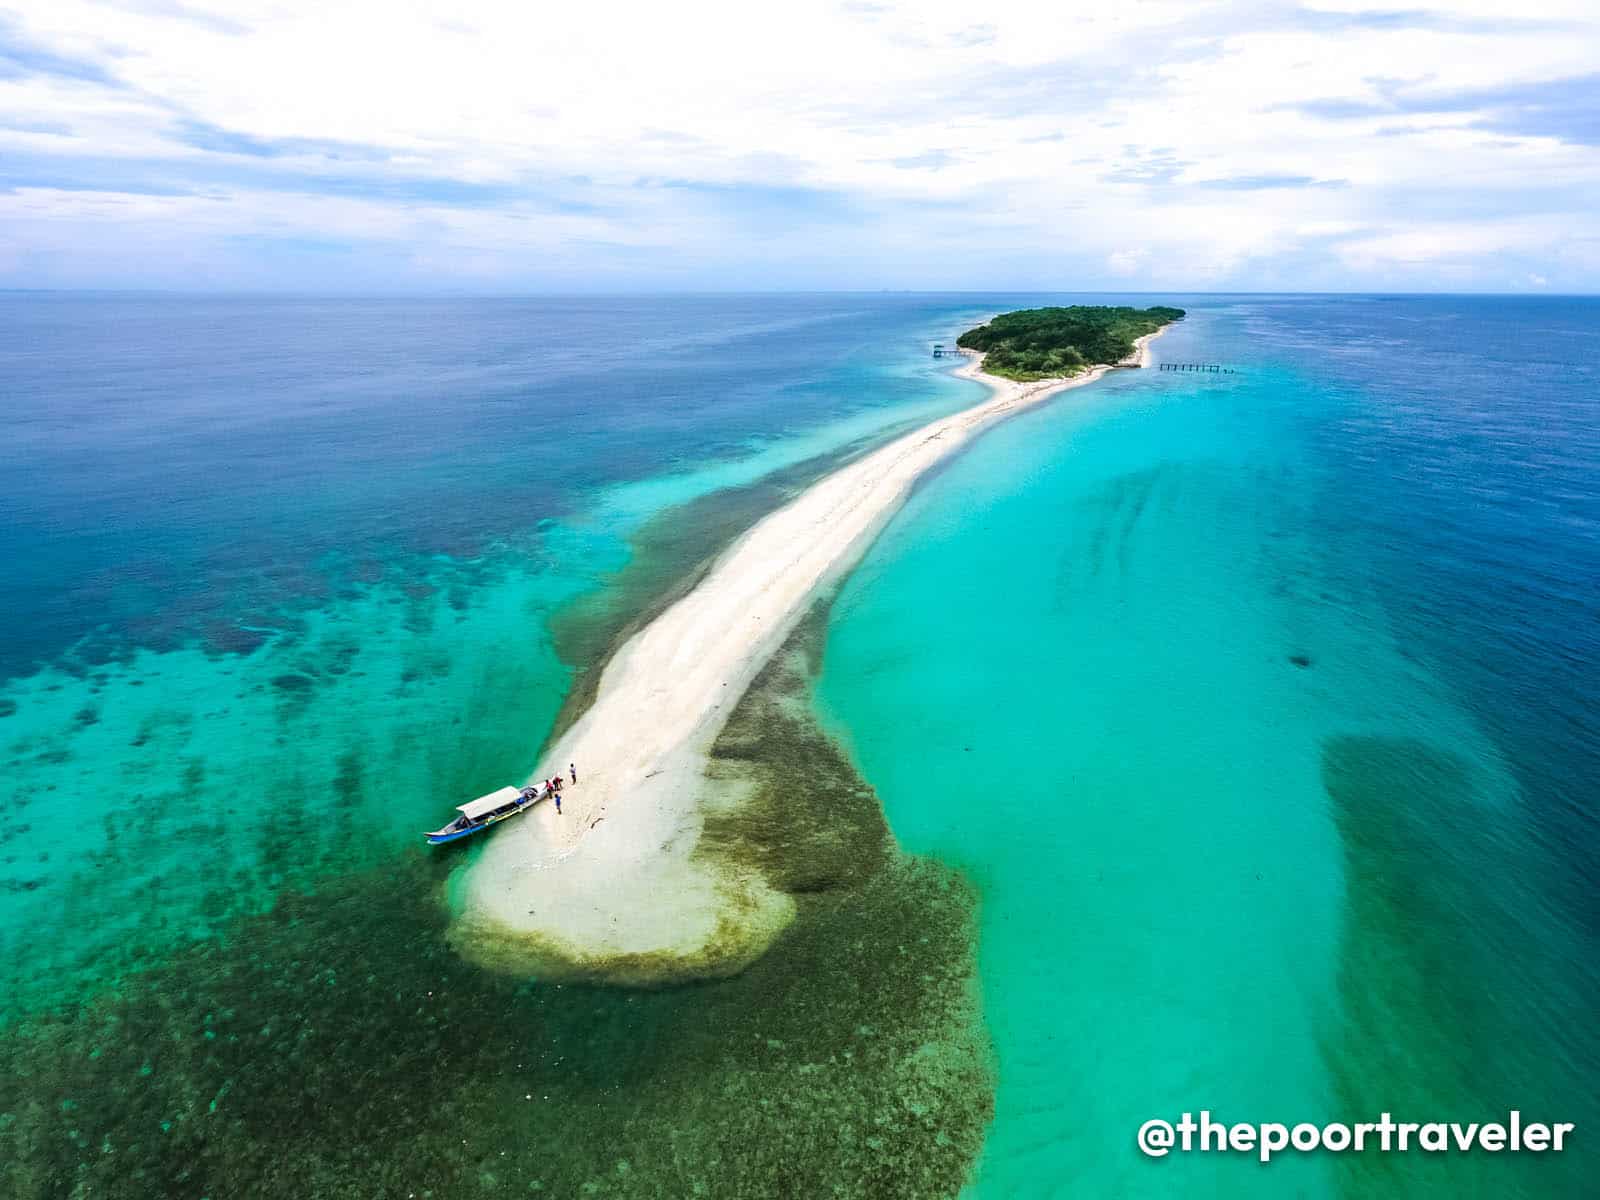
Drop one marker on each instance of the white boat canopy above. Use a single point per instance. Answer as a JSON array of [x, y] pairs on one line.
[[484, 805]]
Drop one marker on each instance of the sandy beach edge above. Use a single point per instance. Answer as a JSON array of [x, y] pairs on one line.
[[611, 889]]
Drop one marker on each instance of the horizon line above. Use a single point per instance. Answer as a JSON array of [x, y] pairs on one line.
[[646, 293]]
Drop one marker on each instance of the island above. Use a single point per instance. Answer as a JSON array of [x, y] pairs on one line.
[[1058, 343]]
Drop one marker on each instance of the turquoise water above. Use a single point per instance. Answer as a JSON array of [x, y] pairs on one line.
[[283, 575], [1259, 713], [1149, 668]]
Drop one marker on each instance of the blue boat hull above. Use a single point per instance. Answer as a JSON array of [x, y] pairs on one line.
[[455, 835], [438, 839]]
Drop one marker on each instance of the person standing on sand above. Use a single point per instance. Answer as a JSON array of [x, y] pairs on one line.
[[572, 769]]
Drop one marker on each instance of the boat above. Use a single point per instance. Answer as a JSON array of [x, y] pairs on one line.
[[485, 811]]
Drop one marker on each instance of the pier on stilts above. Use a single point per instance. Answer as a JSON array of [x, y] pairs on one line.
[[1203, 368]]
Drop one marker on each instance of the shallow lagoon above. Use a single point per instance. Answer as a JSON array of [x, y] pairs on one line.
[[1243, 777]]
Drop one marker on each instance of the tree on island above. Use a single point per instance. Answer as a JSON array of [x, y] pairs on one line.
[[1050, 343]]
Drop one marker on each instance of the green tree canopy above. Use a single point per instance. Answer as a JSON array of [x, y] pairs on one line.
[[1047, 343]]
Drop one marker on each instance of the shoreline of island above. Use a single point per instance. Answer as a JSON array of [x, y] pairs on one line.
[[612, 889]]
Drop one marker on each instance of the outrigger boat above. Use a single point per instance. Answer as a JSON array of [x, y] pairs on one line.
[[486, 811]]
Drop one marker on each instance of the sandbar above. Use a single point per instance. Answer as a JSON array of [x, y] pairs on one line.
[[612, 889]]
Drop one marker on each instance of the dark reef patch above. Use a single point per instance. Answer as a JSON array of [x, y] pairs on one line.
[[220, 637], [1421, 1032], [809, 822], [336, 1046]]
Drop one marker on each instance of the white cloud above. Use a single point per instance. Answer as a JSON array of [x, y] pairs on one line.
[[1170, 143], [1126, 262]]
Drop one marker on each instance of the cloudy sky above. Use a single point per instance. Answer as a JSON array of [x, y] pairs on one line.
[[397, 145]]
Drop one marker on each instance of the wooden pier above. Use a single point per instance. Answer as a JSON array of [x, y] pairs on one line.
[[1204, 368]]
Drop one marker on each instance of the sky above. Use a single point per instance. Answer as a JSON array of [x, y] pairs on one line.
[[1125, 145]]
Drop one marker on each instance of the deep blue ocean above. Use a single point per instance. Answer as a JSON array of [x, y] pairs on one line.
[[176, 468], [1284, 686]]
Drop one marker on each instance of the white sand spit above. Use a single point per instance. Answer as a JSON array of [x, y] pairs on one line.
[[611, 889]]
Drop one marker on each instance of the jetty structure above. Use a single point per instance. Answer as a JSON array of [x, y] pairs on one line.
[[617, 887]]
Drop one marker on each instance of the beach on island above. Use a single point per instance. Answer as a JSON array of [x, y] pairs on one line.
[[611, 888]]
